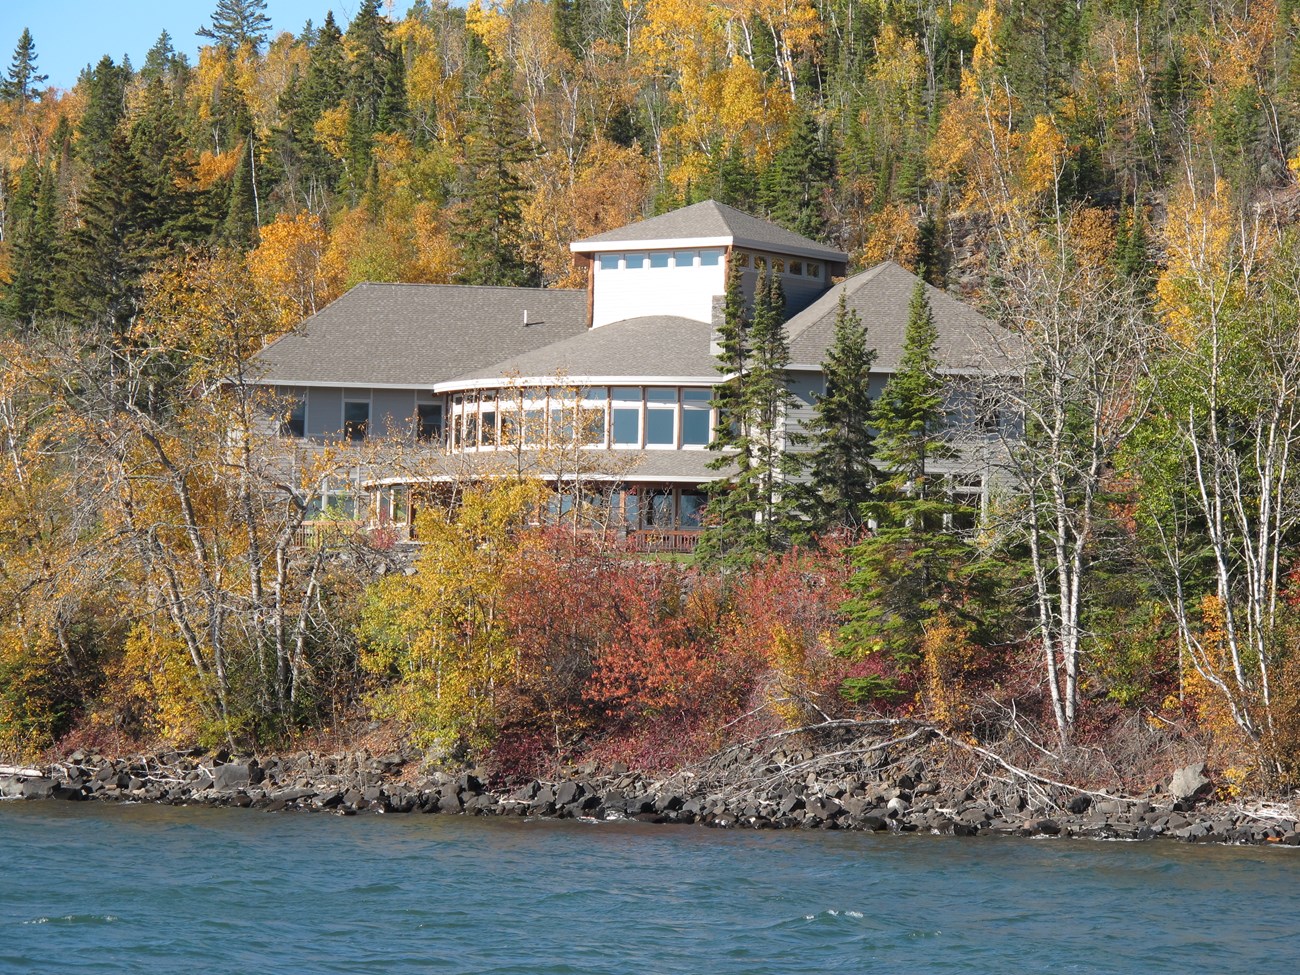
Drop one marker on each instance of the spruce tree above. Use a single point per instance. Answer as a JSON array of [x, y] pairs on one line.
[[745, 515], [119, 237], [909, 415], [912, 567], [838, 467], [21, 80], [376, 89], [105, 85], [488, 228], [798, 178], [236, 22], [30, 293]]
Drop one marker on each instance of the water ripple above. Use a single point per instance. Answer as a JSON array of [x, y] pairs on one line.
[[236, 891]]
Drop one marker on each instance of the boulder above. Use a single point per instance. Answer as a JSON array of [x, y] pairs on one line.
[[1188, 782], [41, 788], [228, 778], [1080, 805]]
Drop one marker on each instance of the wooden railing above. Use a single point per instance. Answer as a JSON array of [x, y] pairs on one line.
[[662, 540], [327, 533]]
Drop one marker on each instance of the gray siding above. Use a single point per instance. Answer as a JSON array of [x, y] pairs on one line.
[[391, 411], [324, 411]]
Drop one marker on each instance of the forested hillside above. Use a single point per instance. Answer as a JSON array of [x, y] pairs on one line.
[[473, 145], [1113, 181]]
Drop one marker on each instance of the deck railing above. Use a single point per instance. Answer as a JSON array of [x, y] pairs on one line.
[[660, 540]]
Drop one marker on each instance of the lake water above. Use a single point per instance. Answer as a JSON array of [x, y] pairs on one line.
[[88, 887]]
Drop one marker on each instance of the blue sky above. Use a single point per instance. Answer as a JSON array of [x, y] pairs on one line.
[[70, 34]]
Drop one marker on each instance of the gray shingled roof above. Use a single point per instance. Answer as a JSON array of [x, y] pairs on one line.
[[657, 345], [715, 220], [418, 334], [881, 296]]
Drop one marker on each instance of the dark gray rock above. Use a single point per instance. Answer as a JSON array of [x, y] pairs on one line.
[[41, 788], [228, 778], [1080, 805]]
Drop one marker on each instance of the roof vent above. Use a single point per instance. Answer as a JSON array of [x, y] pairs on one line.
[[525, 318]]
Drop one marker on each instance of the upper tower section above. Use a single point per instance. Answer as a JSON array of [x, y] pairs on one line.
[[675, 264]]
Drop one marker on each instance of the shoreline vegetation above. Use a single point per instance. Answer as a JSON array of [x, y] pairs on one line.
[[886, 775], [1125, 604]]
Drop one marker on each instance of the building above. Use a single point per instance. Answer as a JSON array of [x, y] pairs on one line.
[[603, 389]]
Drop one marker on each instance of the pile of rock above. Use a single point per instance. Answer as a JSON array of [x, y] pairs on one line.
[[905, 803]]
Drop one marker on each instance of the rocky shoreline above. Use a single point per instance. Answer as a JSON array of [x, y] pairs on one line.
[[903, 801]]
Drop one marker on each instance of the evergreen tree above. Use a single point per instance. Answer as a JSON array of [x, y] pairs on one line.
[[30, 293], [376, 88], [912, 567], [310, 168], [158, 144], [488, 228], [162, 61], [236, 22], [22, 78], [106, 87], [909, 415], [745, 515], [797, 180], [119, 237], [839, 466]]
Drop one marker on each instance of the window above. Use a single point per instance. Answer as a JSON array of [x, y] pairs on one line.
[[535, 428], [691, 509], [471, 429], [626, 415], [684, 258], [813, 270], [356, 418], [796, 268], [295, 423], [696, 428], [608, 262], [488, 425], [659, 510], [710, 258], [660, 416], [742, 259], [759, 262], [634, 262], [592, 416], [429, 421], [659, 259], [778, 265]]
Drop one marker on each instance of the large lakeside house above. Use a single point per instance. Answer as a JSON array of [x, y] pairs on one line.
[[484, 379]]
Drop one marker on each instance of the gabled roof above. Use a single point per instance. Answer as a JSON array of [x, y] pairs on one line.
[[709, 223], [414, 335], [968, 342], [656, 346]]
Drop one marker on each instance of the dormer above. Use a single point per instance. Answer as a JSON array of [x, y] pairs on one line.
[[675, 264]]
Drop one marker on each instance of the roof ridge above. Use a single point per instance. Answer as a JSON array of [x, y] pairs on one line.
[[467, 287]]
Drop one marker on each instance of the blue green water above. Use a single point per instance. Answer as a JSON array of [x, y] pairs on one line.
[[103, 888]]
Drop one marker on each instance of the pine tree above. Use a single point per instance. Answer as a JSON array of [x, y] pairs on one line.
[[22, 78], [106, 85], [162, 61], [376, 88], [912, 567], [839, 466], [237, 22], [30, 293], [488, 229], [798, 178], [745, 508], [119, 237]]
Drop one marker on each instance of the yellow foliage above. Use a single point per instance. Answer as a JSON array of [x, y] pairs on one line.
[[440, 632], [214, 168], [156, 675], [794, 673], [892, 236], [947, 657], [287, 265], [331, 131], [1045, 156], [489, 20]]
